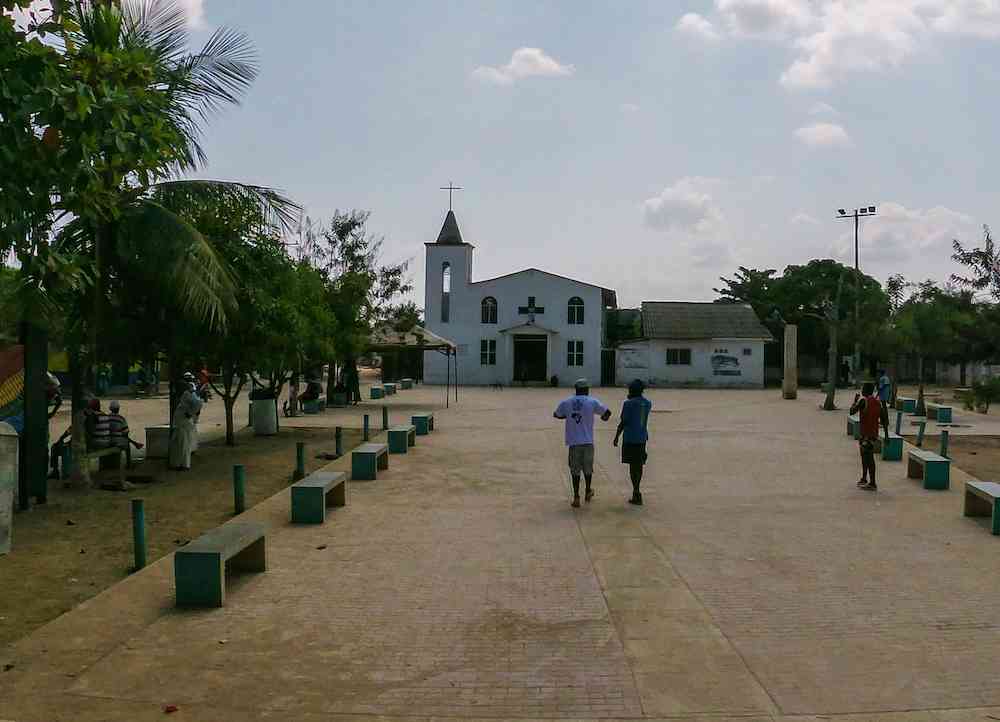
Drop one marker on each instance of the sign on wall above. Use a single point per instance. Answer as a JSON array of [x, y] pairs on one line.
[[12, 387], [725, 364]]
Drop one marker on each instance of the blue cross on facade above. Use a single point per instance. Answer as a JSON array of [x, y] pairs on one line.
[[531, 309]]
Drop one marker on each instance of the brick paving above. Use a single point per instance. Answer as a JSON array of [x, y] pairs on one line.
[[756, 584]]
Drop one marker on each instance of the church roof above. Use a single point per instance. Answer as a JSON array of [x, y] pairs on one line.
[[450, 235], [688, 321]]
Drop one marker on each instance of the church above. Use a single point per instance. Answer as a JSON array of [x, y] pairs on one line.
[[529, 326]]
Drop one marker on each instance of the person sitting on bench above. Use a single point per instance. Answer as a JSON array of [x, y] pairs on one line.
[[119, 433], [98, 426]]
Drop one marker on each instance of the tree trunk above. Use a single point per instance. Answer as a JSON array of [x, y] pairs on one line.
[[830, 404], [229, 402], [961, 372], [80, 472], [331, 382], [921, 409]]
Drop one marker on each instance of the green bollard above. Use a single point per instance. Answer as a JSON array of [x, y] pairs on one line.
[[364, 435], [921, 425], [239, 489], [338, 436], [139, 533], [385, 418], [899, 423], [944, 443], [300, 461]]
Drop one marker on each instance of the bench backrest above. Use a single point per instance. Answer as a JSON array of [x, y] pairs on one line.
[[227, 540]]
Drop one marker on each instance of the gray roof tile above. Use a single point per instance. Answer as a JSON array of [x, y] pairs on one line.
[[688, 321]]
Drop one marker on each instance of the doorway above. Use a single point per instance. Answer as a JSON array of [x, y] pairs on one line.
[[530, 358]]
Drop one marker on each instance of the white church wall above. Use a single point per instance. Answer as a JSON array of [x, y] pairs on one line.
[[722, 363], [465, 327]]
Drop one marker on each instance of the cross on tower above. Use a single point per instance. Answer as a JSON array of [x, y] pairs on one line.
[[450, 187], [531, 309]]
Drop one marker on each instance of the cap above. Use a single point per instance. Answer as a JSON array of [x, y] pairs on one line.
[[581, 384], [114, 406], [188, 375]]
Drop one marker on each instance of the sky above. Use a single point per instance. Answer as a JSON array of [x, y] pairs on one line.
[[648, 147]]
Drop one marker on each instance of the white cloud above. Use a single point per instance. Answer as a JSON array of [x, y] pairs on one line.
[[823, 135], [833, 39], [804, 219], [686, 206], [629, 108], [697, 26], [822, 109], [195, 10], [524, 63]]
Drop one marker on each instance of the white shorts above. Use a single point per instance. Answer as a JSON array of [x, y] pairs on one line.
[[581, 458]]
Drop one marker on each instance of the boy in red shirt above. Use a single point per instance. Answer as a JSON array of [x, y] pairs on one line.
[[870, 413]]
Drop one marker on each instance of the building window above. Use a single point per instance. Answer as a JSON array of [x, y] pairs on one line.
[[678, 357], [748, 352], [445, 292], [574, 353], [489, 310], [488, 352], [576, 310]]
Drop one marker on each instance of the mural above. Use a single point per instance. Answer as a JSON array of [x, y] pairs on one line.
[[725, 365], [632, 357], [12, 387]]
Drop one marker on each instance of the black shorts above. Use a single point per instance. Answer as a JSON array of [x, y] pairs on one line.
[[633, 453]]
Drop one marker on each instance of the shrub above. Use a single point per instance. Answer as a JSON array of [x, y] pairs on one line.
[[984, 393]]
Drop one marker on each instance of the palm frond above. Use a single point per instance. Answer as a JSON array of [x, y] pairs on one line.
[[157, 25], [158, 246], [219, 74], [278, 211]]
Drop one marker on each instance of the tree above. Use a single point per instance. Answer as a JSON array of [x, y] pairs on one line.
[[982, 262]]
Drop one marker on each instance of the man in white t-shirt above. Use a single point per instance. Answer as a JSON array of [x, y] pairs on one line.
[[578, 411]]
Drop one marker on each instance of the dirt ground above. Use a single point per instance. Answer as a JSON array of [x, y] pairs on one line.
[[978, 456], [80, 543]]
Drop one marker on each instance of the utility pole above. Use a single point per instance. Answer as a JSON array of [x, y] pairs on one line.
[[856, 214]]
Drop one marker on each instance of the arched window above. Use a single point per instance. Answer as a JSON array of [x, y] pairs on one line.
[[489, 310], [445, 291], [576, 310]]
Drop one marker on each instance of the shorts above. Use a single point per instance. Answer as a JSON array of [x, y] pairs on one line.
[[634, 454], [581, 458], [868, 444]]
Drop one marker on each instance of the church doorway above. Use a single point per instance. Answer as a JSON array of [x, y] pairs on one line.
[[530, 358]]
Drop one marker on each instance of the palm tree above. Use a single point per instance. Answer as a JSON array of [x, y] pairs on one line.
[[137, 126]]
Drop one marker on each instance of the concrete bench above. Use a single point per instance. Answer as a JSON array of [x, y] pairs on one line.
[[376, 392], [933, 469], [982, 498], [906, 404], [390, 389], [940, 412], [313, 495], [401, 438], [892, 447], [111, 451], [200, 567], [853, 426], [424, 422], [406, 384], [367, 460], [157, 441]]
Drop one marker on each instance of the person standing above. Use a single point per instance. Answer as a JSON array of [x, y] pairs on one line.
[[578, 411], [633, 424], [184, 429], [884, 388], [870, 414]]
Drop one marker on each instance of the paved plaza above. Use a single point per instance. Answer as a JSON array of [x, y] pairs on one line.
[[757, 583]]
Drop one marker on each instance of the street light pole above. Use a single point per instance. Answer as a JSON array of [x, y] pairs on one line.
[[856, 214]]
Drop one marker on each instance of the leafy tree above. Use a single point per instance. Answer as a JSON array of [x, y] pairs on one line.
[[405, 316], [983, 264]]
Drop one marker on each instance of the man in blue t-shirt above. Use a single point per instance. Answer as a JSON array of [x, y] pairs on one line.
[[635, 416], [578, 411]]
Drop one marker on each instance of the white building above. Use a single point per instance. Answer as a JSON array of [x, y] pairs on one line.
[[529, 325], [696, 344]]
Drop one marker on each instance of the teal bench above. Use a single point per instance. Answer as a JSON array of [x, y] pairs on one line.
[[401, 438], [313, 495], [933, 469], [424, 423], [200, 567], [939, 412], [406, 384], [367, 460], [310, 407], [892, 447], [853, 426], [340, 398], [390, 389], [982, 498], [376, 392], [906, 404]]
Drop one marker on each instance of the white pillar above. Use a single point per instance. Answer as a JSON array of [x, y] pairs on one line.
[[790, 382], [8, 484]]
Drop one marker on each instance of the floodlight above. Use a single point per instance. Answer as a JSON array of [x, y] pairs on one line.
[[871, 209], [841, 211], [862, 211]]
